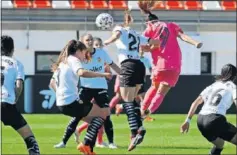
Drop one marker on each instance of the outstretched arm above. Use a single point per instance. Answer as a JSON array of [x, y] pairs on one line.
[[113, 38], [189, 40], [185, 126]]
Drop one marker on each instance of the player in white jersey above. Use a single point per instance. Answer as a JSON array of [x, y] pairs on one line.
[[217, 99], [93, 88], [141, 92], [132, 74], [12, 77], [108, 125], [67, 71]]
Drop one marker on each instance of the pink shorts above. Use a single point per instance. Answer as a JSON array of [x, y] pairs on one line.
[[117, 85], [169, 77]]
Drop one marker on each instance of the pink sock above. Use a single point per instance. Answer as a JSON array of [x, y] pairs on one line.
[[82, 127], [148, 97], [115, 100], [100, 135], [156, 102]]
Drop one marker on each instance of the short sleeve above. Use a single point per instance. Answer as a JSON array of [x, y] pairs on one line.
[[176, 28], [75, 64], [20, 71], [144, 40], [107, 58], [204, 93], [117, 28]]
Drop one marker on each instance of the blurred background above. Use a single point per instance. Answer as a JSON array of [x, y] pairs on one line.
[[41, 28]]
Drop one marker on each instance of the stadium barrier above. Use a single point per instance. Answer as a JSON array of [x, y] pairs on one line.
[[39, 98]]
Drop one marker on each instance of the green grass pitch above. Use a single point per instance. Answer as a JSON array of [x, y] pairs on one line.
[[163, 136]]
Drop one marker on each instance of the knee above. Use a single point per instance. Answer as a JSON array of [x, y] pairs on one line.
[[105, 112]]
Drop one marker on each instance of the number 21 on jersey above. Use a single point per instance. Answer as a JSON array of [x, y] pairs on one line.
[[133, 45]]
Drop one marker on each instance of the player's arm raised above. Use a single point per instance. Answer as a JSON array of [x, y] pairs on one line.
[[113, 38], [185, 126], [189, 40], [89, 74]]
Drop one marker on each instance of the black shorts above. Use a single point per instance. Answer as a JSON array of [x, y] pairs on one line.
[[213, 126], [99, 95], [132, 73], [142, 90], [76, 109], [10, 116]]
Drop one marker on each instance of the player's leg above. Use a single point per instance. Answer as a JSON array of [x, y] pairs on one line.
[[167, 80], [11, 116], [218, 146], [128, 94], [99, 141], [132, 78], [234, 140], [102, 100], [79, 130], [96, 118], [140, 98], [85, 98], [151, 92], [228, 132], [115, 100]]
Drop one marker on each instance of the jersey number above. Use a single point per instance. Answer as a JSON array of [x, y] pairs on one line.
[[57, 78], [132, 43], [164, 35], [216, 99], [2, 75]]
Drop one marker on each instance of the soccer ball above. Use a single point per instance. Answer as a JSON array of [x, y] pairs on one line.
[[104, 21]]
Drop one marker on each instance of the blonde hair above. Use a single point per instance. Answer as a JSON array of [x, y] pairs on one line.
[[127, 18]]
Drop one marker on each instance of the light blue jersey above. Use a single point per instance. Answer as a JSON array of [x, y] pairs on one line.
[[11, 70]]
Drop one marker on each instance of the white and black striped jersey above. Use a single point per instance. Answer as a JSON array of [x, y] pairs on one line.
[[11, 70], [66, 78], [129, 42], [218, 98]]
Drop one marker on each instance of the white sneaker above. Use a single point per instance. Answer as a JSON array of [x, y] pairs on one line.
[[102, 145], [60, 145], [77, 137], [112, 146]]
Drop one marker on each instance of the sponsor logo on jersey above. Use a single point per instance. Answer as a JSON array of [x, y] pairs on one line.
[[99, 59], [96, 69]]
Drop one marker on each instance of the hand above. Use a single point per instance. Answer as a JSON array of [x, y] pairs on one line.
[[199, 45], [184, 127], [108, 75], [106, 43]]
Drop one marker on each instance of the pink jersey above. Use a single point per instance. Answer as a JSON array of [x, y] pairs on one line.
[[168, 56]]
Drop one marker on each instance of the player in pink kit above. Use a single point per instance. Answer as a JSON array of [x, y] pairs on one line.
[[166, 58]]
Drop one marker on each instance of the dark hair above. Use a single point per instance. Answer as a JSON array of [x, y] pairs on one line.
[[99, 40], [146, 7], [70, 49], [7, 45], [151, 17], [228, 73]]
